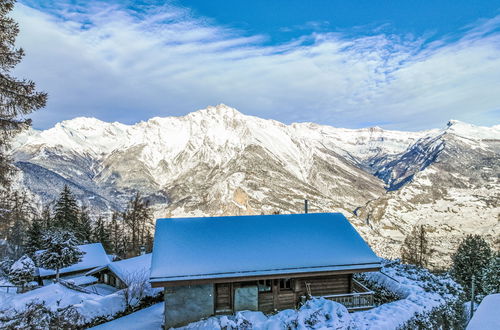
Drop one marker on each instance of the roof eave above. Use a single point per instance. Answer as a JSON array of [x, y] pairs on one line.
[[253, 276]]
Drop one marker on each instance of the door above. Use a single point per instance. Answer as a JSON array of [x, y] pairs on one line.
[[223, 298]]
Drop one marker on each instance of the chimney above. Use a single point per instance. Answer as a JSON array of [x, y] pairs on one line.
[[143, 250], [305, 206]]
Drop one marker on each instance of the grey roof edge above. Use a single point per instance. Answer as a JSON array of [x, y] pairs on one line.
[[266, 272], [96, 269]]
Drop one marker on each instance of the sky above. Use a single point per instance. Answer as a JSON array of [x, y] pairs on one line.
[[406, 65]]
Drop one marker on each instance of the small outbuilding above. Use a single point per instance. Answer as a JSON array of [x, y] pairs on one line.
[[118, 273], [222, 265], [94, 256]]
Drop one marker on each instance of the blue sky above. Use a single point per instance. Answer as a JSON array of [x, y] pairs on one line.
[[397, 64], [282, 20]]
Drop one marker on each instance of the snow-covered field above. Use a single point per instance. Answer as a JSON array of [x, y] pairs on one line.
[[149, 318]]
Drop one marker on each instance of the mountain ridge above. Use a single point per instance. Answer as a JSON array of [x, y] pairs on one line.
[[218, 161]]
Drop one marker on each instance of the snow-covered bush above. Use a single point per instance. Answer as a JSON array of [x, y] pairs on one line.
[[381, 294], [314, 314], [423, 296], [137, 287], [60, 250], [34, 316], [22, 272], [444, 306], [447, 316], [37, 316]]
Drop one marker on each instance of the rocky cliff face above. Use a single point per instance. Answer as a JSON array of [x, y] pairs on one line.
[[218, 161]]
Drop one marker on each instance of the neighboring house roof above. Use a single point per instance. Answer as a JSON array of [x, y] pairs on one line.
[[94, 256], [128, 267], [486, 316], [191, 249]]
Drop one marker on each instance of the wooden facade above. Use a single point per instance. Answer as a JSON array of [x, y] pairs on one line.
[[282, 293], [108, 277]]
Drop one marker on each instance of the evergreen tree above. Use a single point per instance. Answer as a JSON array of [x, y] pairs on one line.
[[34, 237], [17, 97], [146, 227], [415, 249], [490, 280], [471, 258], [14, 220], [16, 239], [66, 211], [137, 220], [100, 234], [84, 233], [46, 217], [117, 238], [22, 272], [60, 250]]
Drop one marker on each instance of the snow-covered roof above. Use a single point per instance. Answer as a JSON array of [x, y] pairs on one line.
[[94, 256], [486, 316], [124, 268], [218, 247]]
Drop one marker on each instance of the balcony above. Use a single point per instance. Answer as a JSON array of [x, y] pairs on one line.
[[360, 299]]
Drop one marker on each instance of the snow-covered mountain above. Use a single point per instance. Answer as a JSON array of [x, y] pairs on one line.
[[217, 161]]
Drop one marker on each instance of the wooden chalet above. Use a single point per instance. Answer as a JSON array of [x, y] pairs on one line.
[[94, 256], [119, 274], [221, 265]]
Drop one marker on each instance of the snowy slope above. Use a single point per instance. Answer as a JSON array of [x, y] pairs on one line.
[[217, 161], [450, 183]]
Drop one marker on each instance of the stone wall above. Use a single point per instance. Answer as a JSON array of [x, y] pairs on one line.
[[186, 304]]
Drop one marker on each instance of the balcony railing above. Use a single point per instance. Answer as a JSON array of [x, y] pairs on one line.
[[360, 299]]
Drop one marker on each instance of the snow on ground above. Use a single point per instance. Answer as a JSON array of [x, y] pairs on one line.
[[314, 314], [102, 289], [105, 302], [51, 294], [58, 296], [411, 285], [487, 315], [149, 318]]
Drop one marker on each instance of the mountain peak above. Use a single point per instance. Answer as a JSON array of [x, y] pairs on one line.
[[471, 131], [222, 109], [452, 122], [86, 123]]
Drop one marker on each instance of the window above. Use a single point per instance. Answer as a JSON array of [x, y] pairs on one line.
[[285, 284], [265, 285]]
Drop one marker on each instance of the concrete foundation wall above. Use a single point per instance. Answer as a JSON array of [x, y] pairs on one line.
[[186, 304]]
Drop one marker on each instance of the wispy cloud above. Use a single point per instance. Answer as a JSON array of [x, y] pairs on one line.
[[124, 64]]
